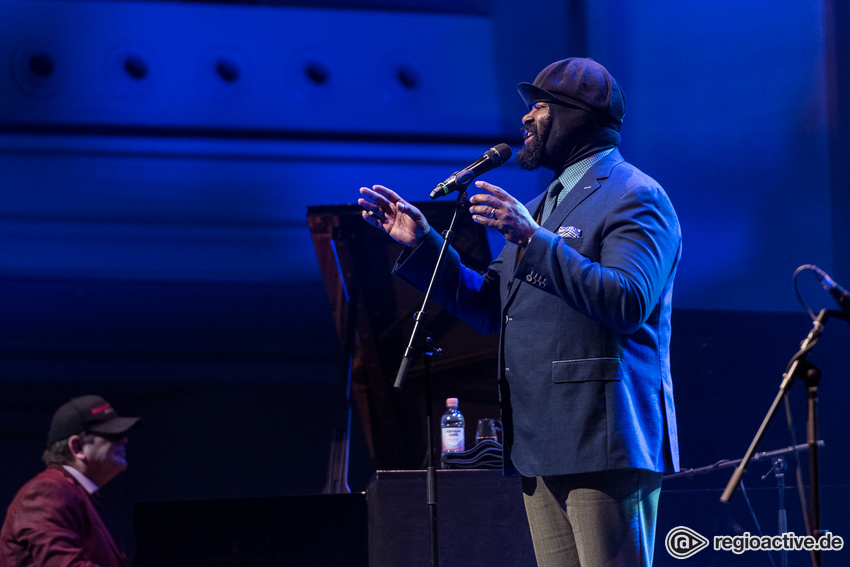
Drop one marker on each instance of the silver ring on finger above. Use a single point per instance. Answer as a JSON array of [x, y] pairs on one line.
[[493, 212]]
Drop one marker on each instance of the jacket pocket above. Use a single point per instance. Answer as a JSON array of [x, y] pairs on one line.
[[575, 243], [586, 370]]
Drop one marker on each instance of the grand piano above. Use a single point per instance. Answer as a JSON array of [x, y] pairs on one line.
[[374, 317]]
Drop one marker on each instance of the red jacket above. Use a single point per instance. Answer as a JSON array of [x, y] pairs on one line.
[[52, 522]]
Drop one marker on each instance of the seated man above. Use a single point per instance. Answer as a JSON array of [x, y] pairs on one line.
[[53, 520]]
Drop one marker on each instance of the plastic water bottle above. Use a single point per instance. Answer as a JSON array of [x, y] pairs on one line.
[[452, 427]]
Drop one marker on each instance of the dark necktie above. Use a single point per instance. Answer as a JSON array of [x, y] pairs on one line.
[[551, 200]]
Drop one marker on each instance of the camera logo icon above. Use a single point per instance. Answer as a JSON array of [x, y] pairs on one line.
[[683, 542]]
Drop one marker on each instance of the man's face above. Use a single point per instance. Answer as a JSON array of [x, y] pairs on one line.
[[536, 126], [105, 457]]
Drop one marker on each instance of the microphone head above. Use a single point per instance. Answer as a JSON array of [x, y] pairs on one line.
[[504, 152], [492, 158]]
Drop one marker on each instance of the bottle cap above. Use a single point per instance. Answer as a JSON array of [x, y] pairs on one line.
[[451, 402]]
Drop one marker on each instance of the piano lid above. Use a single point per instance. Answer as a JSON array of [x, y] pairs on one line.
[[373, 314]]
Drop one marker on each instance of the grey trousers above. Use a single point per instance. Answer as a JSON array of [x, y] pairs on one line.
[[600, 519]]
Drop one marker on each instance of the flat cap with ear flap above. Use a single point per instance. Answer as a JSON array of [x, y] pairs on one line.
[[582, 83]]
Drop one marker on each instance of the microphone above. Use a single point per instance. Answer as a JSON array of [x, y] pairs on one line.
[[836, 291], [492, 158]]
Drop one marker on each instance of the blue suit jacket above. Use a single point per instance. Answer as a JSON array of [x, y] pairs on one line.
[[584, 315]]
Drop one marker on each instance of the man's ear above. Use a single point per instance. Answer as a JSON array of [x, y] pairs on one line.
[[75, 444]]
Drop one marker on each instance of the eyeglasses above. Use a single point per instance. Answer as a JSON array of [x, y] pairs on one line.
[[111, 437]]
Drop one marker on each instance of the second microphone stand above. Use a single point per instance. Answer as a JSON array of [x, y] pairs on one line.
[[801, 367]]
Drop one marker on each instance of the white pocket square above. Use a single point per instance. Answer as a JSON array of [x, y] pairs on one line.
[[569, 232]]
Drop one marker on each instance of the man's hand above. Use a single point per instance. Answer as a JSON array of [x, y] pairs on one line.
[[384, 209], [497, 209]]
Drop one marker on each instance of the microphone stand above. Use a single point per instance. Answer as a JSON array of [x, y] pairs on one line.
[[811, 375], [779, 468], [431, 474], [724, 464], [419, 318]]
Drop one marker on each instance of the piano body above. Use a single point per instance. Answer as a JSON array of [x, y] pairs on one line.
[[373, 314]]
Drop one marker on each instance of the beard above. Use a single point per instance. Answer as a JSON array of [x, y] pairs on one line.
[[531, 155], [566, 137]]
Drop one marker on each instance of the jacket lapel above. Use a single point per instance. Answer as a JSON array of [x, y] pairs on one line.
[[590, 182]]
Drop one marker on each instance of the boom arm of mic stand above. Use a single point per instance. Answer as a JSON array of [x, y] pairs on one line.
[[787, 382], [419, 318], [691, 473]]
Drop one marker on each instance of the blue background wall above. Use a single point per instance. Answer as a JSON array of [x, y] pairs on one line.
[[157, 160]]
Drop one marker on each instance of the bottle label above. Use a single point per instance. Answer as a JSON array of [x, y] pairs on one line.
[[453, 439]]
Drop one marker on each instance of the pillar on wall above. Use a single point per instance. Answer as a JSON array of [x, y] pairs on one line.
[[837, 39]]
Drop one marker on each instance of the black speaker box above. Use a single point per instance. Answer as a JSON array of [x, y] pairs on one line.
[[481, 520]]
